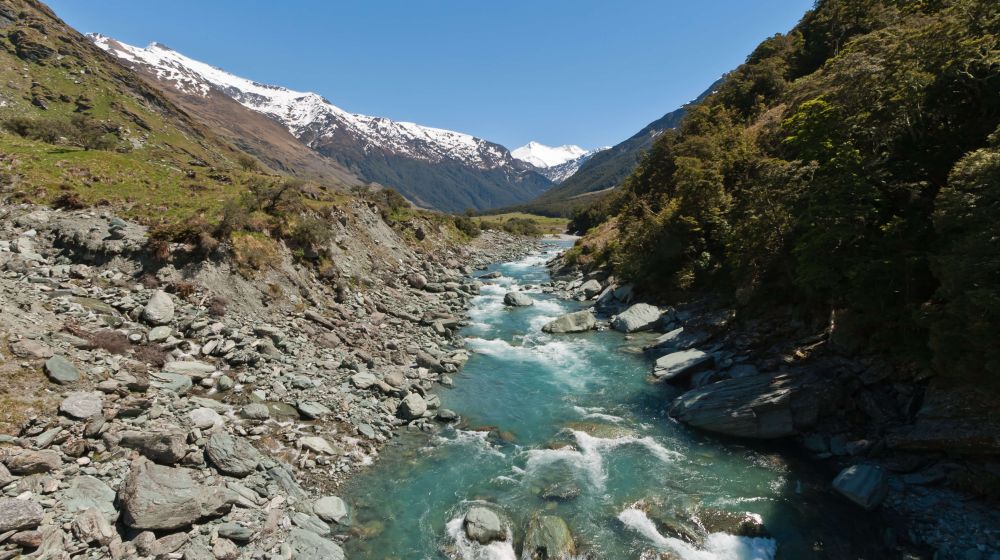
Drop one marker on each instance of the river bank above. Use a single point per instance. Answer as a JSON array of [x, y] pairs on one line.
[[192, 408]]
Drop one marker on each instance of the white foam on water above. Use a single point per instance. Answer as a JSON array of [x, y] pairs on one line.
[[597, 413], [492, 290], [474, 439], [717, 546], [472, 550], [589, 454]]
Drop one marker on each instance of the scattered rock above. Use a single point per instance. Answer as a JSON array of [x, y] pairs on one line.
[[580, 321], [517, 299], [331, 509], [639, 317], [159, 310], [306, 545], [165, 448], [412, 407], [231, 455], [483, 525], [61, 371], [548, 538], [82, 405], [678, 366], [157, 498], [90, 526], [865, 485], [29, 461], [17, 514]]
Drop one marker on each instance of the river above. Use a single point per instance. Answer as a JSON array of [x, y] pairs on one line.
[[568, 425]]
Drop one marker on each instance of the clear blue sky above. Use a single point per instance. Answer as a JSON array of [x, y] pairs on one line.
[[584, 72]]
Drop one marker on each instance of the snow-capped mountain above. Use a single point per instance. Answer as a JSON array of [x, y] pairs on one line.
[[556, 163], [543, 156], [433, 167]]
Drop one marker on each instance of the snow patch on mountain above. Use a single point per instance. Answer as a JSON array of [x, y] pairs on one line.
[[543, 156], [308, 116]]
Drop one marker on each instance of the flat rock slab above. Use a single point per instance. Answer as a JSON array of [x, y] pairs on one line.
[[677, 366], [762, 406], [165, 448], [81, 405], [197, 370], [159, 498], [61, 371], [331, 509], [16, 515], [233, 456], [307, 545], [317, 445], [87, 492], [30, 461], [865, 485]]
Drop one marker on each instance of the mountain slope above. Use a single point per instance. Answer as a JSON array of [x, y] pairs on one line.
[[436, 168], [154, 160], [606, 169], [556, 163]]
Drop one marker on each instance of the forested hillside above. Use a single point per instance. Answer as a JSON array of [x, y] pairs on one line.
[[851, 167]]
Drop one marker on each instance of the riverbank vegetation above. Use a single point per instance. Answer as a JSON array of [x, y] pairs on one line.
[[852, 166]]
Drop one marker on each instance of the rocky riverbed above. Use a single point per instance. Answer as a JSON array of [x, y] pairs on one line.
[[898, 442], [188, 409]]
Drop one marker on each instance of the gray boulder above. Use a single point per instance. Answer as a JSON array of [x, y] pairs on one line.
[[590, 288], [311, 410], [677, 366], [761, 406], [87, 492], [548, 538], [483, 525], [412, 407], [307, 545], [159, 498], [580, 321], [30, 461], [231, 455], [165, 448], [81, 405], [159, 310], [639, 317], [61, 371], [16, 515], [363, 380], [865, 485], [517, 299], [92, 527], [331, 509]]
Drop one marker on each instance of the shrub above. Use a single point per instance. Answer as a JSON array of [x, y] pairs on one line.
[[247, 163], [41, 129], [466, 226], [218, 306], [255, 251], [151, 354], [112, 341], [69, 201]]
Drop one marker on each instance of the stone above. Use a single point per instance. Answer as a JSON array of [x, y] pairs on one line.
[[447, 415], [158, 498], [483, 525], [90, 526], [159, 334], [29, 461], [255, 411], [317, 445], [165, 448], [679, 339], [5, 476], [762, 406], [225, 549], [639, 317], [16, 515], [363, 380], [548, 538], [28, 348], [331, 509], [172, 382], [311, 410], [204, 418], [81, 405], [678, 366], [517, 299], [306, 545], [417, 281], [413, 406], [865, 485], [87, 492], [232, 455], [61, 371], [195, 369], [580, 321], [235, 532], [159, 310], [425, 360], [590, 288]]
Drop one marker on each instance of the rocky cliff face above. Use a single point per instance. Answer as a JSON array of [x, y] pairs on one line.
[[165, 408]]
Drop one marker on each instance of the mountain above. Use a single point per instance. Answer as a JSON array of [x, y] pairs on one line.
[[607, 168], [434, 168], [543, 156], [133, 147], [555, 163]]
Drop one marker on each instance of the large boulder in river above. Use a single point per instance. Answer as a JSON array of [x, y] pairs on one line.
[[762, 406], [159, 310], [580, 321], [639, 317], [865, 485], [159, 498], [483, 525], [590, 288], [517, 299], [548, 538], [678, 366], [412, 407]]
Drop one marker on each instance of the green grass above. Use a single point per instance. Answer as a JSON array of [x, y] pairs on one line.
[[547, 224]]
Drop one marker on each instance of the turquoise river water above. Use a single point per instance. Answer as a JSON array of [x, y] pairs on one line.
[[573, 415]]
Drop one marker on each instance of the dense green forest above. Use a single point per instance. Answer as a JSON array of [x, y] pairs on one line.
[[851, 167]]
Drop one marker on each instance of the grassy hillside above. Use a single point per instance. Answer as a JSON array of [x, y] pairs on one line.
[[852, 167]]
